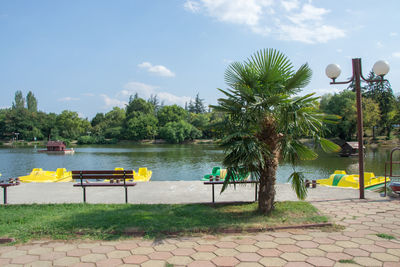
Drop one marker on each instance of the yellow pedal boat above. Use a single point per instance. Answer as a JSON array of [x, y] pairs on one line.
[[40, 176], [341, 179], [143, 175]]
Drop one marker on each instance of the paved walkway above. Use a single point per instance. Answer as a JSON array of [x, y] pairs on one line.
[[357, 244]]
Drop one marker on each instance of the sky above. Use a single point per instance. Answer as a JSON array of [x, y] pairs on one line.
[[89, 56]]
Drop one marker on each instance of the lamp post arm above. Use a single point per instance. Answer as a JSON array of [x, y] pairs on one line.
[[349, 81]]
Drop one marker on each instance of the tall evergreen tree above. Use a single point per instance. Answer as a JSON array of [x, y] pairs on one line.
[[19, 101], [31, 102], [199, 105]]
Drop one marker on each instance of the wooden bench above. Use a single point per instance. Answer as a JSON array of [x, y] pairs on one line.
[[213, 183], [117, 179], [5, 184]]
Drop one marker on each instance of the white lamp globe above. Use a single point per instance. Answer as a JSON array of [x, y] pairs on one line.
[[381, 68], [333, 71]]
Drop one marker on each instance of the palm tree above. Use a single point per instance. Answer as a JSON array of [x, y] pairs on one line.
[[266, 121]]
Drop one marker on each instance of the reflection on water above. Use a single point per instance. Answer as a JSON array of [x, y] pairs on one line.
[[172, 162]]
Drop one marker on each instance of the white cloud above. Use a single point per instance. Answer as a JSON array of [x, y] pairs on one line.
[[192, 6], [146, 90], [396, 54], [157, 69], [379, 44], [68, 98], [323, 91], [290, 5], [339, 50], [393, 34], [289, 20], [88, 94], [113, 102]]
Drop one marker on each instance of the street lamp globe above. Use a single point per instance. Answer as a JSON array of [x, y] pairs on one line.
[[333, 71], [381, 68]]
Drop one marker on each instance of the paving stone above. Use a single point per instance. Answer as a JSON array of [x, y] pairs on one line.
[[135, 259], [331, 248], [298, 264], [205, 248], [293, 256], [393, 251], [284, 241], [313, 252], [269, 252], [183, 251], [307, 244], [248, 256], [336, 256], [272, 261], [186, 244], [109, 263], [39, 251], [52, 256], [28, 247], [226, 244], [142, 250], [247, 248], [387, 244], [87, 245], [225, 261], [145, 243], [165, 247], [39, 264], [153, 263], [391, 264], [78, 252], [372, 248], [347, 244], [367, 261], [160, 255], [84, 264], [118, 254], [199, 263], [65, 248], [362, 241], [245, 241], [288, 248], [126, 246], [66, 261], [226, 252], [320, 261], [203, 256], [385, 257], [102, 249], [24, 259], [356, 252], [14, 254], [323, 240], [248, 264], [302, 237], [4, 261], [179, 260], [94, 257], [266, 244]]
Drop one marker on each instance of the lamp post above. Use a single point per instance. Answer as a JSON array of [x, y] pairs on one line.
[[380, 68]]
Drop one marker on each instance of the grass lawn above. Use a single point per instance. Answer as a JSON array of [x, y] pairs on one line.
[[101, 221]]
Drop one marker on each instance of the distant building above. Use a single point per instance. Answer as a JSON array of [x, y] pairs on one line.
[[56, 146], [349, 149]]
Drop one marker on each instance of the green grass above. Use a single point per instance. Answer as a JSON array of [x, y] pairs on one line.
[[347, 261], [101, 221], [386, 236]]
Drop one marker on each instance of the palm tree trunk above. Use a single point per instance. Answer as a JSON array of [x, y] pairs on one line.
[[266, 193]]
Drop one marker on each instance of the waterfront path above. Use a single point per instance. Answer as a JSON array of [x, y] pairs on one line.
[[355, 245], [155, 192]]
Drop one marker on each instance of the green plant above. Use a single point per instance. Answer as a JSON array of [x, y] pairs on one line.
[[385, 236], [347, 261]]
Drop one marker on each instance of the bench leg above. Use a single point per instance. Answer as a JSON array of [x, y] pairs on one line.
[[256, 195], [84, 194], [126, 195], [5, 195], [213, 199]]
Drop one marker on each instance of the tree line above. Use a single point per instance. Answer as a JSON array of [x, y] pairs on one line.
[[381, 110], [140, 119]]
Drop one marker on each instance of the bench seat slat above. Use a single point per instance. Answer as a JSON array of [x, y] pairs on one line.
[[127, 176], [103, 172], [236, 182], [104, 184]]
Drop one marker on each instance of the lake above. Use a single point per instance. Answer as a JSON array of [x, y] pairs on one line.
[[171, 162]]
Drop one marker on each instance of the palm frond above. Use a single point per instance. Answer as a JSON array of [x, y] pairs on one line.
[[298, 184]]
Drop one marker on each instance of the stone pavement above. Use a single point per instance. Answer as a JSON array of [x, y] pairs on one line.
[[356, 245]]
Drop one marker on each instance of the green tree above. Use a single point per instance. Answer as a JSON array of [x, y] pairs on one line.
[[382, 93], [141, 127], [97, 119], [31, 102], [179, 131], [70, 126], [266, 122], [199, 105], [172, 113], [19, 101], [137, 104], [371, 114]]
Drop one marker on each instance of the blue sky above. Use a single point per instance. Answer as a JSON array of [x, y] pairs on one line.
[[88, 56]]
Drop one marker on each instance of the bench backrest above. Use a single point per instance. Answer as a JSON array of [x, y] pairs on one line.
[[103, 174]]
